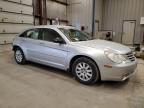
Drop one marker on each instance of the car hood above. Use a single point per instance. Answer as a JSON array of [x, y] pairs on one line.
[[103, 45]]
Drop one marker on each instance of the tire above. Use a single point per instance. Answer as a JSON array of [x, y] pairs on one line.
[[85, 71], [19, 56]]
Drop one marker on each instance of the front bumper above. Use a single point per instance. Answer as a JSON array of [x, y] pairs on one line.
[[119, 72]]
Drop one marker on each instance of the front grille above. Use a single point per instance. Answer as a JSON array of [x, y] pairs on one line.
[[130, 56]]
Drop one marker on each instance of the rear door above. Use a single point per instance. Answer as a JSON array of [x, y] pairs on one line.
[[31, 44]]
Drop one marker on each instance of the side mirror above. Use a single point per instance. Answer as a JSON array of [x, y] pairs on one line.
[[59, 40]]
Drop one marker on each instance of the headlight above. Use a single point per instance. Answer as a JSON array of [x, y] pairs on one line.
[[117, 58]]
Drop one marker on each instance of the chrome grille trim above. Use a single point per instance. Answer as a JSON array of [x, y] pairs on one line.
[[130, 56]]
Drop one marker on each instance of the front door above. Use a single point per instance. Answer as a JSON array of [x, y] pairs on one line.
[[53, 54], [128, 32]]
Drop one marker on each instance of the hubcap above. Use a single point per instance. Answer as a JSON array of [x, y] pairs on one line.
[[84, 71], [19, 56]]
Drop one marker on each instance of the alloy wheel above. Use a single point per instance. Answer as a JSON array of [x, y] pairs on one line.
[[19, 56], [83, 71]]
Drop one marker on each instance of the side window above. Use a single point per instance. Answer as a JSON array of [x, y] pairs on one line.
[[32, 33], [50, 35], [23, 34]]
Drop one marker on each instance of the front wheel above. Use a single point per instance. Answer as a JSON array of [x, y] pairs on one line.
[[19, 56], [85, 71]]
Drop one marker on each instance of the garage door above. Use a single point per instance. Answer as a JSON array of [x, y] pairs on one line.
[[15, 16]]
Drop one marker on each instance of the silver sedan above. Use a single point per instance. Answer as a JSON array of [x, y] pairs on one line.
[[67, 48]]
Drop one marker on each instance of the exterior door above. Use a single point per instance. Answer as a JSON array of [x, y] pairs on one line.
[[53, 54], [30, 41], [128, 32]]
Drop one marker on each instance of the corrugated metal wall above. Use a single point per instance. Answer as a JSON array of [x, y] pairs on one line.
[[56, 10], [80, 13], [15, 16], [98, 12], [109, 13], [115, 11]]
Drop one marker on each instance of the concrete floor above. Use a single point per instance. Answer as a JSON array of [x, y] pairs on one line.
[[37, 86]]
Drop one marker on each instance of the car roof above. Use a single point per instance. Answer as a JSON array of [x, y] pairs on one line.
[[53, 26], [48, 26]]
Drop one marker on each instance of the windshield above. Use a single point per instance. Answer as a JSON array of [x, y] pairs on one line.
[[75, 35]]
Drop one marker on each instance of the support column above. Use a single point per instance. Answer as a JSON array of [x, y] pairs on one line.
[[42, 12], [93, 18]]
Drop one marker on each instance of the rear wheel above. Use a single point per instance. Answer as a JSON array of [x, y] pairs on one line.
[[85, 71], [19, 56]]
